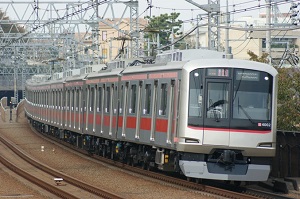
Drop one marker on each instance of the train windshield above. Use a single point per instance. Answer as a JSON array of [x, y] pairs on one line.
[[252, 95], [229, 96]]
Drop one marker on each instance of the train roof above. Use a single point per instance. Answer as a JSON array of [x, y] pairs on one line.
[[230, 63], [155, 67], [107, 72], [38, 79], [205, 58], [188, 54], [144, 68]]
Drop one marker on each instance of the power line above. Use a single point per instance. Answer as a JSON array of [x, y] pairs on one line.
[[244, 47], [242, 43], [54, 21]]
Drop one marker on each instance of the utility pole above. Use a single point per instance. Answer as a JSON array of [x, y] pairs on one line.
[[227, 52], [268, 32], [197, 33], [213, 11]]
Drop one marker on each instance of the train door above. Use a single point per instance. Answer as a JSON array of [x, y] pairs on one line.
[[108, 109], [124, 109], [154, 110], [115, 112], [84, 97], [138, 110], [216, 116], [61, 107], [80, 109], [71, 107], [132, 111], [94, 104], [75, 110], [100, 109], [145, 118], [91, 109], [163, 119]]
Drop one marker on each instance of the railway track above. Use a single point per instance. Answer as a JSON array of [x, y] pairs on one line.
[[229, 191], [43, 176], [232, 192]]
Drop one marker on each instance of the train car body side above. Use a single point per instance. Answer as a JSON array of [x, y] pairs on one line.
[[212, 119]]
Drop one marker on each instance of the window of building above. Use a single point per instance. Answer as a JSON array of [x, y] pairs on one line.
[[104, 53], [104, 35]]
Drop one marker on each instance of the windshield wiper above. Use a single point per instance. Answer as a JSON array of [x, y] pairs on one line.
[[217, 103], [247, 115], [214, 110]]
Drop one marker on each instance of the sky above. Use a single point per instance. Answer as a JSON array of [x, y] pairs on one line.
[[187, 10]]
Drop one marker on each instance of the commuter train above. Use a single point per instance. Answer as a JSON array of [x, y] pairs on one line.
[[205, 118]]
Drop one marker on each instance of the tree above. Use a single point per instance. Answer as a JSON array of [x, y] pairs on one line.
[[254, 57], [288, 100], [10, 27], [163, 26]]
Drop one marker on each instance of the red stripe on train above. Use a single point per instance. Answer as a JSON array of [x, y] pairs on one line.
[[231, 130], [161, 124], [146, 124]]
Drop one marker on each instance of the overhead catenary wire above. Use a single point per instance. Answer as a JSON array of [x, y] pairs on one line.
[[259, 6], [242, 43], [252, 8], [151, 6], [53, 21], [183, 36], [244, 47]]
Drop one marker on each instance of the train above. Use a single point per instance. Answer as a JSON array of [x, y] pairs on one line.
[[191, 112]]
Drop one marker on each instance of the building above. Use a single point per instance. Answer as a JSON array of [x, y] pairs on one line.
[[116, 42], [284, 44]]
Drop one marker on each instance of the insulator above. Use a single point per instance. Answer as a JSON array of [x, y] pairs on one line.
[[293, 15], [293, 7]]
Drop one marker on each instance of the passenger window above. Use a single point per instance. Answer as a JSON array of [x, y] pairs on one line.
[[73, 99], [163, 100], [99, 99], [196, 98], [77, 99], [80, 99], [107, 101], [147, 99], [115, 99], [125, 98], [58, 99], [132, 99], [87, 99], [92, 98], [122, 99], [68, 99], [218, 97]]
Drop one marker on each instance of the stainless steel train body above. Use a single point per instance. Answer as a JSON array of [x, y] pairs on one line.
[[205, 118]]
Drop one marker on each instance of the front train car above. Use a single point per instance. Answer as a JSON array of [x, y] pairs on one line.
[[227, 125]]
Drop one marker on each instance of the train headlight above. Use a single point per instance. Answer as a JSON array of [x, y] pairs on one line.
[[190, 140], [248, 160], [265, 144], [266, 78]]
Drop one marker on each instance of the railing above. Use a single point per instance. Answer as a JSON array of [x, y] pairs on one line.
[[20, 109], [2, 109]]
